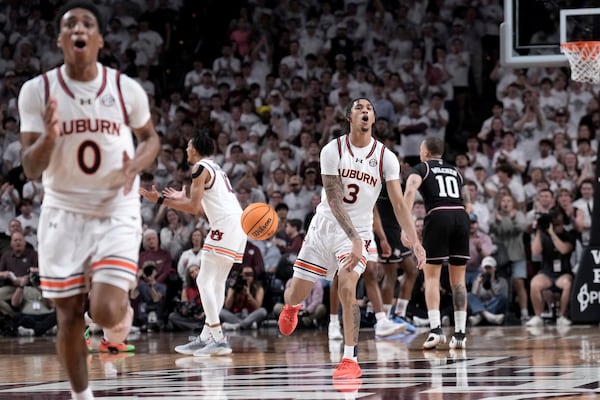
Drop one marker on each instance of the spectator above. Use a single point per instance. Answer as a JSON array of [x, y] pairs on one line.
[[297, 198], [480, 246], [508, 229], [487, 299], [29, 221], [413, 129], [191, 256], [150, 298], [16, 264], [36, 315], [554, 244], [175, 233], [152, 252], [243, 302], [189, 314]]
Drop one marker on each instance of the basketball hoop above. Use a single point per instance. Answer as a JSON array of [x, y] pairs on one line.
[[584, 58]]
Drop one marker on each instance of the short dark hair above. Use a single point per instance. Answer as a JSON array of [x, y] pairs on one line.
[[88, 5], [435, 146], [203, 143]]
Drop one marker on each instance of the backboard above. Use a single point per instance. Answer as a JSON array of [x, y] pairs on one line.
[[533, 30]]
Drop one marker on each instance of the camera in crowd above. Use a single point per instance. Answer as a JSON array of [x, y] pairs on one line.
[[486, 280], [544, 220], [239, 283], [148, 270], [34, 278]]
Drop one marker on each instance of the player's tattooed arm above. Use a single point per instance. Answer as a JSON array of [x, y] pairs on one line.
[[335, 194]]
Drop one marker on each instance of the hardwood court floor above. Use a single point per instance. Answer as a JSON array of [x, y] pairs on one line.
[[499, 363]]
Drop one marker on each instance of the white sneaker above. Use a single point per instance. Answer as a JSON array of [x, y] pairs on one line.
[[475, 320], [334, 332], [22, 331], [458, 341], [214, 348], [496, 319], [436, 336], [563, 321], [385, 327], [535, 321], [195, 344], [229, 326], [420, 321]]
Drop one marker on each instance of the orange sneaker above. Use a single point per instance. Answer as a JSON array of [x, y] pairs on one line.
[[348, 369], [347, 385], [107, 347], [288, 319]]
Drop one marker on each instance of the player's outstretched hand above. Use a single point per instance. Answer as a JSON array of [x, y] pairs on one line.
[[151, 195], [51, 120], [173, 194], [419, 252], [353, 258]]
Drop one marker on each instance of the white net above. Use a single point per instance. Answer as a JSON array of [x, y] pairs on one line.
[[584, 58]]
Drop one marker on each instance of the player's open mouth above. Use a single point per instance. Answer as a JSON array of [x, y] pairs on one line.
[[365, 118], [80, 44]]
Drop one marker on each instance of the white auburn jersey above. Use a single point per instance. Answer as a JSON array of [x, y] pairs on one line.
[[363, 171], [219, 200], [84, 174]]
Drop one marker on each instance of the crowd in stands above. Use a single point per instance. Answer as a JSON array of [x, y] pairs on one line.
[[271, 85]]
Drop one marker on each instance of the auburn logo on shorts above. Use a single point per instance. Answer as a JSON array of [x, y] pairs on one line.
[[216, 234]]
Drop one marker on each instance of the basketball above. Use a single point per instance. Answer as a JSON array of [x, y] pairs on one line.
[[259, 221]]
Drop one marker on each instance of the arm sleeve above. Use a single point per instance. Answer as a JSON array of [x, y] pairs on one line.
[[31, 105], [391, 166], [330, 158], [136, 102]]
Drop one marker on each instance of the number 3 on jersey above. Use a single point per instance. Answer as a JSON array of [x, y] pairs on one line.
[[448, 186]]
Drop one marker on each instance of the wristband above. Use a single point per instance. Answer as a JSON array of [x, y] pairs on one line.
[[160, 200]]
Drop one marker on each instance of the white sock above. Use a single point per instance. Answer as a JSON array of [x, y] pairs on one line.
[[85, 395], [216, 332], [401, 305], [380, 315], [333, 319], [350, 352], [460, 321], [387, 308], [434, 319], [524, 312], [205, 334]]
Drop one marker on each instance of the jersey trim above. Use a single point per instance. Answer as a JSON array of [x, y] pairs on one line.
[[46, 87], [213, 177], [445, 208], [125, 116], [339, 143], [63, 84], [426, 172], [381, 163], [372, 149], [197, 173], [103, 85]]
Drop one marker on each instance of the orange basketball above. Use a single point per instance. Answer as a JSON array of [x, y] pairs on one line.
[[259, 221]]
